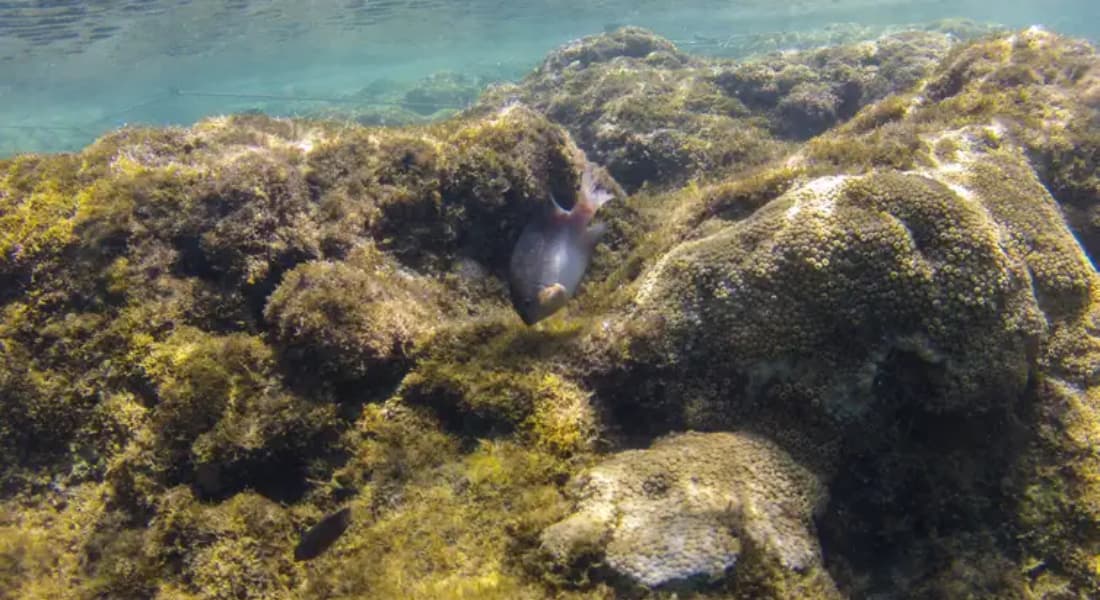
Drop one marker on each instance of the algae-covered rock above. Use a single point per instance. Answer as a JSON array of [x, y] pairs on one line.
[[809, 92], [845, 271], [354, 318], [485, 379], [1044, 87], [213, 336], [694, 506], [653, 114], [204, 309], [221, 422], [813, 302], [392, 103], [443, 91]]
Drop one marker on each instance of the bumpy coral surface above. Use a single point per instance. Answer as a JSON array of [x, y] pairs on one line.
[[837, 274], [913, 280], [686, 507], [212, 337], [653, 114], [191, 316]]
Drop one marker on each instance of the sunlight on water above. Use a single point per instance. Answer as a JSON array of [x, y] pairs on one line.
[[71, 70]]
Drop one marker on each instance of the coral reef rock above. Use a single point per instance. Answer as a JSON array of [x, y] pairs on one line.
[[688, 506], [911, 290], [871, 262], [653, 114]]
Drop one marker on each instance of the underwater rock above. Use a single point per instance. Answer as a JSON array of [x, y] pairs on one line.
[[352, 319], [209, 335], [652, 114], [626, 42], [392, 103], [222, 421], [908, 219], [639, 107], [1043, 89], [441, 91], [370, 115], [825, 282], [906, 280], [693, 505], [805, 93], [213, 290]]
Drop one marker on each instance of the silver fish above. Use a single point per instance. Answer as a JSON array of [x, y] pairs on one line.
[[553, 252]]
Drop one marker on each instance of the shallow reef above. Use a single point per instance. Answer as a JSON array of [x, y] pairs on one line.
[[385, 102], [840, 340], [696, 506], [749, 44], [655, 115]]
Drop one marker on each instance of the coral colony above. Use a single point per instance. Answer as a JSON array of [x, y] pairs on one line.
[[839, 339]]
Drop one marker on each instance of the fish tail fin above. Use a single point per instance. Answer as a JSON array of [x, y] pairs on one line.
[[592, 193]]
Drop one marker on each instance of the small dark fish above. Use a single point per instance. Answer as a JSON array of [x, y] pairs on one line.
[[322, 535], [553, 252]]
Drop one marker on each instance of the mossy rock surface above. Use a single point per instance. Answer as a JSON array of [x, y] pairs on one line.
[[844, 329], [655, 115], [696, 506]]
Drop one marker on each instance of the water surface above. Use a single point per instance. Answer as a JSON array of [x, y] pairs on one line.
[[71, 70]]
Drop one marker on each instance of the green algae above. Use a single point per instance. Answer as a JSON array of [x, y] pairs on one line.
[[351, 319], [198, 318], [211, 337], [453, 535], [656, 116]]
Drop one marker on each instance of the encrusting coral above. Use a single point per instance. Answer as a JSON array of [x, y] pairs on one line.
[[694, 506], [653, 114], [212, 337], [912, 279]]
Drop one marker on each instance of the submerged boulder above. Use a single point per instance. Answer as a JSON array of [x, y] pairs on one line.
[[907, 291], [205, 309], [693, 506], [755, 43], [825, 283], [212, 336], [352, 319], [655, 115]]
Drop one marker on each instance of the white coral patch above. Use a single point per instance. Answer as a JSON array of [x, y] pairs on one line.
[[684, 507], [818, 197]]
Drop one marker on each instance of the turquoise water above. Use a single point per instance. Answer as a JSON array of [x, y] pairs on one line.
[[70, 70]]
